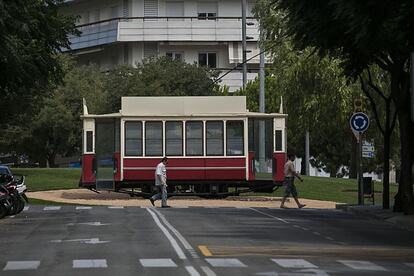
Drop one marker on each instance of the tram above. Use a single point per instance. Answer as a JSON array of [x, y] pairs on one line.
[[212, 143]]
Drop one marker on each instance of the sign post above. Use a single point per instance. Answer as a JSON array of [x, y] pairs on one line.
[[359, 123]]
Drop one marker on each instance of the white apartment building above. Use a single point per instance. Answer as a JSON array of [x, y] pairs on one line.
[[206, 32]]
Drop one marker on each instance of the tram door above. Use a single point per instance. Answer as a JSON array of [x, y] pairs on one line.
[[106, 131]]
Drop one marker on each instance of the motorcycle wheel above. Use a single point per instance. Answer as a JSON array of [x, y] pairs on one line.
[[16, 202], [3, 211], [21, 205]]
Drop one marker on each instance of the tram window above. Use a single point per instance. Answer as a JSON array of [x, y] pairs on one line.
[[278, 140], [89, 141], [235, 141], [174, 138], [194, 138], [214, 138], [133, 138], [153, 138]]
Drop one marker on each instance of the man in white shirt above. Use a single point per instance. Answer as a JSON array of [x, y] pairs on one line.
[[161, 183], [290, 174]]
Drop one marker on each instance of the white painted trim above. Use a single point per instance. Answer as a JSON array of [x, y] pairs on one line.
[[188, 157]]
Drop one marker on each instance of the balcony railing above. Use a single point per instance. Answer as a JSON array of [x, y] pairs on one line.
[[162, 29]]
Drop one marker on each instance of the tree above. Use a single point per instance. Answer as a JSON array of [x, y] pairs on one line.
[[361, 34], [160, 77], [316, 98], [31, 35]]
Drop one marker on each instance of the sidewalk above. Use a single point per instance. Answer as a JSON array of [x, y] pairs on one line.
[[376, 212]]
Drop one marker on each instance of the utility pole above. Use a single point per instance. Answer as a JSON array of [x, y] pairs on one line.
[[262, 158], [307, 153], [412, 86], [244, 44]]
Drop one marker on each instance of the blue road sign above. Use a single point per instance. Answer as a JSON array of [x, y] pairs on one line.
[[359, 122]]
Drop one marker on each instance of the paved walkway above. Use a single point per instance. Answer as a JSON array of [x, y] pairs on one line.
[[376, 212]]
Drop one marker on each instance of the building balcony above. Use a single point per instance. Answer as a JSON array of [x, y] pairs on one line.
[[172, 29]]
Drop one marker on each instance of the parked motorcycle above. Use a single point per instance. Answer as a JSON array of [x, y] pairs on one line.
[[12, 195]]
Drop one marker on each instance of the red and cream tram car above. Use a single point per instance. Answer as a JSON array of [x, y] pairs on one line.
[[212, 143]]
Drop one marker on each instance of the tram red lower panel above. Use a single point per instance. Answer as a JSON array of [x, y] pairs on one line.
[[88, 173], [187, 168]]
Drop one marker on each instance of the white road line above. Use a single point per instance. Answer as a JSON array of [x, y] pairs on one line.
[[180, 237], [329, 238], [191, 270], [51, 208], [116, 207], [157, 263], [316, 233], [280, 219], [296, 226], [208, 271], [223, 262], [26, 208], [362, 265], [304, 228], [173, 242], [294, 263], [97, 263], [409, 264], [22, 265], [83, 207]]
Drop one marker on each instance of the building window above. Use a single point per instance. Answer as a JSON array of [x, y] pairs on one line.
[[278, 140], [194, 138], [174, 138], [153, 139], [175, 55], [207, 10], [234, 138], [133, 138], [207, 59], [89, 141], [214, 138]]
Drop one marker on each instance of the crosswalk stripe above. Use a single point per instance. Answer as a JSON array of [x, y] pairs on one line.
[[192, 271], [26, 208], [409, 264], [223, 262], [157, 263], [294, 263], [97, 263], [83, 207], [362, 265], [116, 207], [22, 265], [52, 208]]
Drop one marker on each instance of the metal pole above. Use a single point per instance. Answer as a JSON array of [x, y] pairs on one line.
[[262, 159], [307, 153], [412, 86], [360, 172], [244, 46]]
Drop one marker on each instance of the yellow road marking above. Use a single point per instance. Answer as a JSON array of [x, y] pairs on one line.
[[205, 250]]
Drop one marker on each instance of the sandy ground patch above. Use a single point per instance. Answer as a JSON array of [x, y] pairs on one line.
[[86, 197]]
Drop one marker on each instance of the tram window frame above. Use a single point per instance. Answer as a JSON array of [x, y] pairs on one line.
[[180, 123], [222, 139], [187, 124], [159, 139], [227, 138], [89, 141], [138, 139]]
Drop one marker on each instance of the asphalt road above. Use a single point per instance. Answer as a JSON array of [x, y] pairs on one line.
[[100, 240]]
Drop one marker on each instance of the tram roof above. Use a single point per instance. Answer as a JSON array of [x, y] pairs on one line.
[[187, 106]]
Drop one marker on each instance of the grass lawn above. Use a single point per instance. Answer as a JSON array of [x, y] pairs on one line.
[[320, 188], [332, 189], [39, 179]]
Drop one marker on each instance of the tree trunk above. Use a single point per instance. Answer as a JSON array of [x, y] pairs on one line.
[[386, 174]]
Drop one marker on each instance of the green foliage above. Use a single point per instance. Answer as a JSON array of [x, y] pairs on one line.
[[159, 77], [31, 35], [38, 179]]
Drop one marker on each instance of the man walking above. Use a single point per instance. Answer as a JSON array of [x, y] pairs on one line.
[[161, 183], [290, 174]]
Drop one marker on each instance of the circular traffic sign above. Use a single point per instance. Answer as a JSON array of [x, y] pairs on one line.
[[359, 122]]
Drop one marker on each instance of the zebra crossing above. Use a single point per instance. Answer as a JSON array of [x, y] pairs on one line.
[[215, 263]]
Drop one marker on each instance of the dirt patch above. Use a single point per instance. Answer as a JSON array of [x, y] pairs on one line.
[[86, 197]]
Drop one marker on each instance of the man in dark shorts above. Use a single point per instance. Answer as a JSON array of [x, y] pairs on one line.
[[290, 174]]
